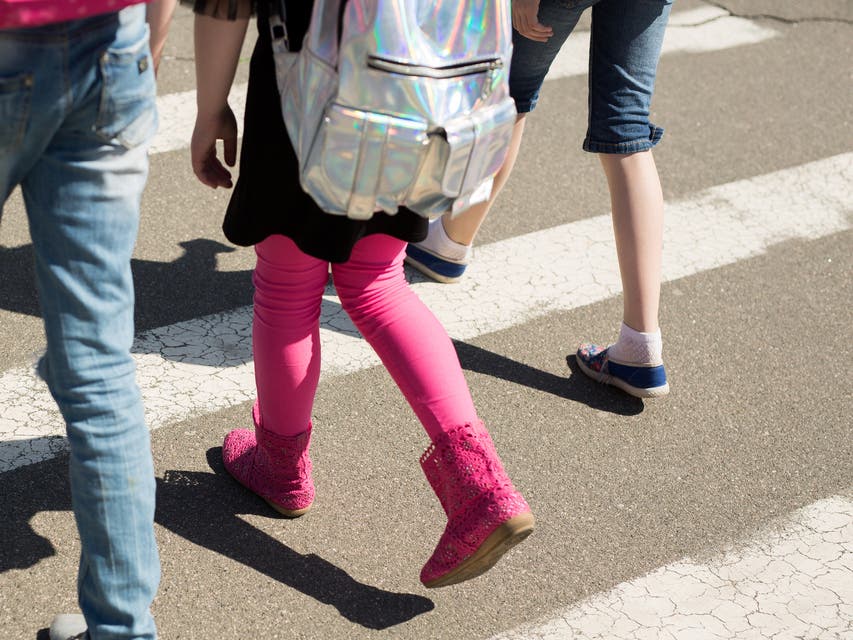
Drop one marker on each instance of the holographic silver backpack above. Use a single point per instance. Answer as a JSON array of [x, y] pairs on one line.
[[395, 103]]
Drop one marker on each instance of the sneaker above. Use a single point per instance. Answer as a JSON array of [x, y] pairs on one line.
[[431, 264], [68, 626], [640, 380]]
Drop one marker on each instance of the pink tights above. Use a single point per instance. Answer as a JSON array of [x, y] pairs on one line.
[[373, 290]]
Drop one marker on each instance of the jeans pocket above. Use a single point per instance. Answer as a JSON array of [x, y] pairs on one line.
[[15, 95], [127, 112]]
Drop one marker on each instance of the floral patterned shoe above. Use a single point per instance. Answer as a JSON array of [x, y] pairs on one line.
[[640, 380]]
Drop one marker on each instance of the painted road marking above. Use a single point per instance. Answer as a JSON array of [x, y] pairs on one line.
[[794, 580], [695, 31], [698, 30], [202, 365], [177, 118]]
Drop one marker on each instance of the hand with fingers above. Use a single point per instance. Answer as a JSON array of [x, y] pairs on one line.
[[525, 19], [219, 125]]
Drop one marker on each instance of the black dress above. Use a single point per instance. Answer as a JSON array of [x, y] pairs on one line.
[[267, 198]]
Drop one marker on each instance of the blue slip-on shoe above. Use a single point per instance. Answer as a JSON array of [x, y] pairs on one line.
[[434, 266], [641, 381], [68, 626]]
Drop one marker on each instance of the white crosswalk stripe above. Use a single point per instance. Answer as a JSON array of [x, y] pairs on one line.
[[696, 31], [205, 364], [792, 581], [177, 117]]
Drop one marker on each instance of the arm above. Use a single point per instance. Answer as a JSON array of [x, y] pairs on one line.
[[159, 13], [217, 51], [525, 19]]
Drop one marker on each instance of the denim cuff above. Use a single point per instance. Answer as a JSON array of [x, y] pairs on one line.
[[526, 106], [629, 146]]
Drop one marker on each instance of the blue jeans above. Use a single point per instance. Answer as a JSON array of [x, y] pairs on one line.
[[625, 45], [77, 108]]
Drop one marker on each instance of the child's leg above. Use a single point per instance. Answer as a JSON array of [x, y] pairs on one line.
[[405, 334], [624, 51], [486, 516], [289, 289], [625, 48], [272, 460], [637, 209]]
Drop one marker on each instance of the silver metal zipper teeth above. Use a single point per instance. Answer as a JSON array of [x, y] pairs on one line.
[[402, 68]]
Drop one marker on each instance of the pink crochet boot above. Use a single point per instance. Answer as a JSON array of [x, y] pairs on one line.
[[276, 467], [486, 516]]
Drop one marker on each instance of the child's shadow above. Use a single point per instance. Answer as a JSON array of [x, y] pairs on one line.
[[576, 387], [203, 508]]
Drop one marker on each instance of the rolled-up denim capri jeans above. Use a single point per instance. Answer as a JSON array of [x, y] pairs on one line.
[[625, 45]]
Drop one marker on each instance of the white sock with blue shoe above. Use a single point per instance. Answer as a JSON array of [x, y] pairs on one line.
[[637, 347], [439, 243]]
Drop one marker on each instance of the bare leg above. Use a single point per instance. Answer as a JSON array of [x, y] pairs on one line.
[[464, 227], [637, 207]]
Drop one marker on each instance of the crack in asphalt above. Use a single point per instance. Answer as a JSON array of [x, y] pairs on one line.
[[770, 16]]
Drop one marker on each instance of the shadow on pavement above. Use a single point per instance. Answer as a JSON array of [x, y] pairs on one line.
[[26, 492], [576, 387], [204, 509], [166, 292]]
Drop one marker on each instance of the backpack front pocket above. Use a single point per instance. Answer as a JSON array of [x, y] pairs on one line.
[[362, 162]]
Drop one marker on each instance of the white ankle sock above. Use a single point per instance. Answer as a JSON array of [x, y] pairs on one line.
[[437, 241], [637, 347]]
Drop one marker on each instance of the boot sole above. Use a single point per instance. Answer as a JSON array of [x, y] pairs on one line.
[[288, 513], [501, 540]]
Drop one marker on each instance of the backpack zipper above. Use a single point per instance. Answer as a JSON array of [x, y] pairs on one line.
[[448, 71]]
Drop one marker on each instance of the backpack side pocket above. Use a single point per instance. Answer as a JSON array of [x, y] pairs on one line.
[[467, 153]]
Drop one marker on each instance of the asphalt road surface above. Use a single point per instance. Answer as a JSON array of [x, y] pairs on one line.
[[722, 511]]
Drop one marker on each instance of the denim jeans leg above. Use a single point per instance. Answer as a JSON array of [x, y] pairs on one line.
[[625, 46], [531, 60], [82, 186]]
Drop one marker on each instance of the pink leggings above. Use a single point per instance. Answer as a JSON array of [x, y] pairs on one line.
[[373, 290]]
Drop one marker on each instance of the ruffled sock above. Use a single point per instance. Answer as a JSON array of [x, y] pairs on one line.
[[637, 347]]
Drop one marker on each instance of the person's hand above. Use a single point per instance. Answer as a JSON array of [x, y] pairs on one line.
[[221, 125], [525, 19]]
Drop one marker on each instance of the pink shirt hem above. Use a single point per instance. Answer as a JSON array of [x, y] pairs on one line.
[[15, 14]]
